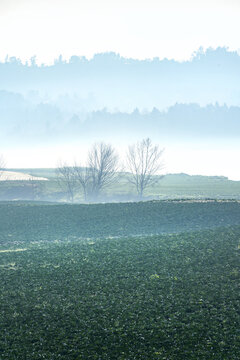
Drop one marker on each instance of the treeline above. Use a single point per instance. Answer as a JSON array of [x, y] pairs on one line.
[[62, 119], [111, 81]]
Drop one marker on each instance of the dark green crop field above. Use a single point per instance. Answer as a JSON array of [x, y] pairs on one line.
[[34, 222], [154, 280]]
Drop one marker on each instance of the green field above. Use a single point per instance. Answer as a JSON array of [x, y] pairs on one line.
[[171, 186], [147, 280]]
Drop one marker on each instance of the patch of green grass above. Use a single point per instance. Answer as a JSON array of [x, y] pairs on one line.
[[171, 186]]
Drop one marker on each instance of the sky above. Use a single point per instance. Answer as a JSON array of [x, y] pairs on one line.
[[210, 159], [134, 28], [139, 29]]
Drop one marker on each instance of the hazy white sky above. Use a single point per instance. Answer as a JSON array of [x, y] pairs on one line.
[[133, 28], [202, 158]]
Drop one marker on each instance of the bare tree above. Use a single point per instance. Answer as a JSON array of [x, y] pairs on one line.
[[67, 180], [144, 160], [103, 167], [82, 177]]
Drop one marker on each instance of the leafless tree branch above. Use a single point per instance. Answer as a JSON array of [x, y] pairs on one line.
[[144, 160], [103, 166], [66, 179], [82, 177]]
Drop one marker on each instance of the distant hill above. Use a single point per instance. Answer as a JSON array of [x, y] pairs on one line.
[[109, 96], [50, 173], [170, 186], [8, 175], [45, 122], [114, 82], [185, 178], [47, 173]]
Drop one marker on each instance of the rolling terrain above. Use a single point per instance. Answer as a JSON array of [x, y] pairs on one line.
[[147, 280], [170, 186]]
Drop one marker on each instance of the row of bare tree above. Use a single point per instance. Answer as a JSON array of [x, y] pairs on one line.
[[103, 168]]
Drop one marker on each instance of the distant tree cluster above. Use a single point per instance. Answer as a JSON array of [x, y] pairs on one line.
[[103, 168]]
